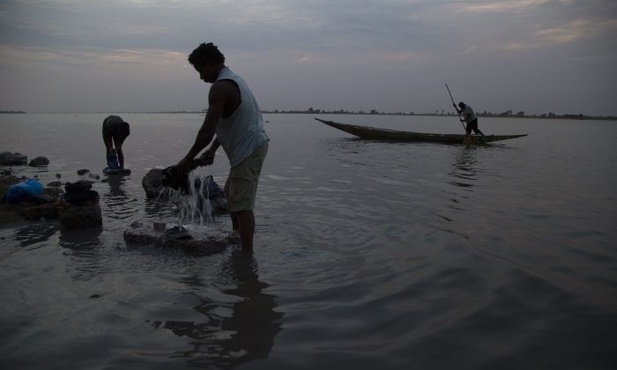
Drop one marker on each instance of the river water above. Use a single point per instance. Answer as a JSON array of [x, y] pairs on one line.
[[368, 255]]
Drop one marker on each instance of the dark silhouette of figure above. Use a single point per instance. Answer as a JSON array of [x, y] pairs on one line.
[[115, 131], [248, 330], [469, 116], [235, 117]]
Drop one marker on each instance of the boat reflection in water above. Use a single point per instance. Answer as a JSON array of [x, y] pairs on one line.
[[463, 171], [462, 176]]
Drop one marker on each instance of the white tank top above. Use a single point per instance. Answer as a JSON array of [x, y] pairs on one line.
[[468, 114], [243, 132]]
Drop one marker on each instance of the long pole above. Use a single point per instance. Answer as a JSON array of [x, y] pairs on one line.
[[454, 104]]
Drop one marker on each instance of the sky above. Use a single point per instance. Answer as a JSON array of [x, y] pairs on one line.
[[113, 56]]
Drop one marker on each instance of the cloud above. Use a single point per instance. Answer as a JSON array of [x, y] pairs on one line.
[[291, 49], [502, 6], [88, 57], [578, 30]]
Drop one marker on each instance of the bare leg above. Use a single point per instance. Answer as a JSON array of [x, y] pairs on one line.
[[107, 139], [234, 220], [118, 144], [474, 126], [468, 129], [245, 224], [120, 156]]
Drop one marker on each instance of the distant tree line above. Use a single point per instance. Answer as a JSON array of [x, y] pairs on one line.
[[508, 114], [339, 111]]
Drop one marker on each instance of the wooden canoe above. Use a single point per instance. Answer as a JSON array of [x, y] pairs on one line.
[[373, 133]]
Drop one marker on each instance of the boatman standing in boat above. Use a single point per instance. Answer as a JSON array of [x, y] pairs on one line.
[[234, 116], [470, 118]]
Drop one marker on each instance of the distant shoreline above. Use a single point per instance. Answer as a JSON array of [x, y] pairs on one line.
[[507, 114], [483, 114]]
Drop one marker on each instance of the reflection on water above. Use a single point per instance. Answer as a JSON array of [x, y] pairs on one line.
[[462, 175], [80, 239], [463, 171], [84, 249], [119, 205], [35, 233], [28, 235], [231, 333], [116, 186], [381, 256]]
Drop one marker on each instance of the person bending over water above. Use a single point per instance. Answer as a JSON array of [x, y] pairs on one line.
[[115, 131]]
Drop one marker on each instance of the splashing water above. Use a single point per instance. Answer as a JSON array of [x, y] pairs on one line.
[[196, 204]]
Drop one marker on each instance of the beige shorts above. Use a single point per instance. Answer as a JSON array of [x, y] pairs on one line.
[[241, 185]]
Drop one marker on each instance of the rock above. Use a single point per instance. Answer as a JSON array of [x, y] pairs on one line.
[[173, 238], [116, 171], [80, 216], [152, 182], [6, 181], [46, 211], [78, 186], [55, 184], [10, 214], [39, 162], [42, 198], [50, 205], [53, 191], [44, 205], [175, 233], [79, 193], [13, 159], [46, 208], [84, 198], [82, 172]]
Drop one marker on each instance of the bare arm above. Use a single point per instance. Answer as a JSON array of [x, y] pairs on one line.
[[207, 157], [213, 147], [216, 102]]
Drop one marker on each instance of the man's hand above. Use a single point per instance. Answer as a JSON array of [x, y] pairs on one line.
[[185, 166], [207, 158]]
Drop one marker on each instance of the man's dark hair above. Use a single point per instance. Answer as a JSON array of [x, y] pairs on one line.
[[206, 53]]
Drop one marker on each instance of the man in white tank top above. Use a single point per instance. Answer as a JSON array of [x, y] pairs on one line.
[[234, 116]]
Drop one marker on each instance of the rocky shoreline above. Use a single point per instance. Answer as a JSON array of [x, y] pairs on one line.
[[76, 206]]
